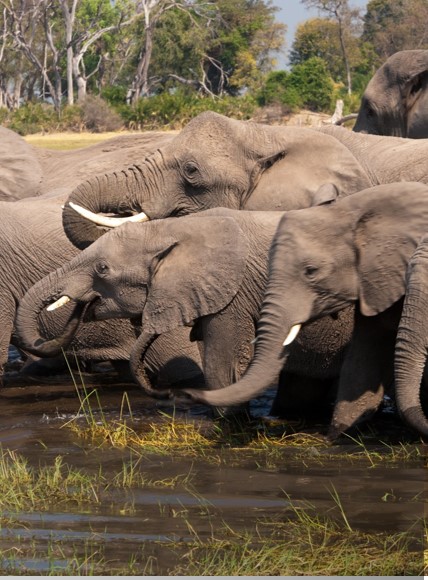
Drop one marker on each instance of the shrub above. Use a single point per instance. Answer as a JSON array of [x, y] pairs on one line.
[[278, 91], [307, 85], [114, 95], [313, 83], [172, 111], [98, 116], [32, 118]]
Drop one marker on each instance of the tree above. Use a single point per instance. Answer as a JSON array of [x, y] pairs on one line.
[[153, 11], [393, 25], [32, 30], [95, 19], [307, 84], [345, 17], [318, 37], [216, 48], [313, 83]]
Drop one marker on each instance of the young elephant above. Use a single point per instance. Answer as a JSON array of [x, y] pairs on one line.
[[324, 259], [208, 271]]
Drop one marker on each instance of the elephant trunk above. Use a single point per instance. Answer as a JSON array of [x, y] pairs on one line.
[[31, 322], [278, 326], [136, 362], [108, 193], [411, 347]]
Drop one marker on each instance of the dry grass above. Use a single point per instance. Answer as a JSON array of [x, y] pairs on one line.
[[66, 141]]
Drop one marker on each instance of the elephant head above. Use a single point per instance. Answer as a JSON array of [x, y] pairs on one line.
[[412, 342], [395, 101], [324, 259], [216, 162], [169, 272]]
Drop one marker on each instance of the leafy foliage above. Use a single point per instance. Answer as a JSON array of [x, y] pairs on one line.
[[393, 26], [307, 85]]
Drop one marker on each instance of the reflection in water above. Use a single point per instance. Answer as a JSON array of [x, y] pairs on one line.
[[239, 491]]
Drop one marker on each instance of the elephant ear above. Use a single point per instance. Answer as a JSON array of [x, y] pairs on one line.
[[387, 234], [262, 165], [198, 272], [325, 194]]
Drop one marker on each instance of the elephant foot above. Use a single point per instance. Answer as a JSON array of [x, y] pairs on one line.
[[305, 397], [48, 367], [347, 414]]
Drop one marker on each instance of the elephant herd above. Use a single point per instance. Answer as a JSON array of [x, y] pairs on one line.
[[255, 256]]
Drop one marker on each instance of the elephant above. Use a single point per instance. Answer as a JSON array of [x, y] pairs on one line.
[[395, 101], [27, 171], [33, 243], [20, 170], [220, 162], [411, 344], [207, 271], [323, 260]]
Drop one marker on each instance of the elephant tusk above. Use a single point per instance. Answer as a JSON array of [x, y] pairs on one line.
[[109, 222], [292, 334], [60, 302]]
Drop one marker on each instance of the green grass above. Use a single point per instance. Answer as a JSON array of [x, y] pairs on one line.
[[27, 488], [88, 558], [306, 544]]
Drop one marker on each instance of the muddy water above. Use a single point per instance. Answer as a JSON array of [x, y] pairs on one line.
[[148, 528]]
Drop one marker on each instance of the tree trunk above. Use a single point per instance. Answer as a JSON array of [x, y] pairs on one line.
[[140, 85]]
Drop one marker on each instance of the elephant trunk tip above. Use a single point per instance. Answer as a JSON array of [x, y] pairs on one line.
[[416, 419]]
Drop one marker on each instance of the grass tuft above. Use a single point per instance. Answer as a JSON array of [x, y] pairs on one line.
[[305, 544]]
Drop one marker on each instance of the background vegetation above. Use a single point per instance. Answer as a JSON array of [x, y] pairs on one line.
[[99, 66]]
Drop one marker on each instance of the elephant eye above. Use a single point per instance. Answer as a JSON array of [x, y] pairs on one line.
[[102, 268], [190, 170], [310, 271]]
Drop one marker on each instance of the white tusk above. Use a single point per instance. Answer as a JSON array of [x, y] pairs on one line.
[[292, 334], [254, 340], [109, 222], [60, 302]]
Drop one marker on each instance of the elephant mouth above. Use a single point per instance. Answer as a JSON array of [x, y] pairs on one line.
[[89, 306]]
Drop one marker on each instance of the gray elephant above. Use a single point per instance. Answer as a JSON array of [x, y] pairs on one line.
[[20, 170], [207, 271], [395, 101], [27, 171], [220, 162], [324, 259], [412, 343], [33, 244]]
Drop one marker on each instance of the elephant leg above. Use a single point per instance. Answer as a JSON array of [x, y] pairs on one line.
[[227, 350], [172, 361], [304, 397], [7, 315], [368, 369]]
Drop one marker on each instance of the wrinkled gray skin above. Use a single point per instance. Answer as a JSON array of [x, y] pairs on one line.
[[220, 162], [20, 170], [209, 271], [324, 259], [33, 244], [412, 343], [395, 101]]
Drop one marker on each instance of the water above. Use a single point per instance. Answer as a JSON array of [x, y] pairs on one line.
[[148, 528]]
